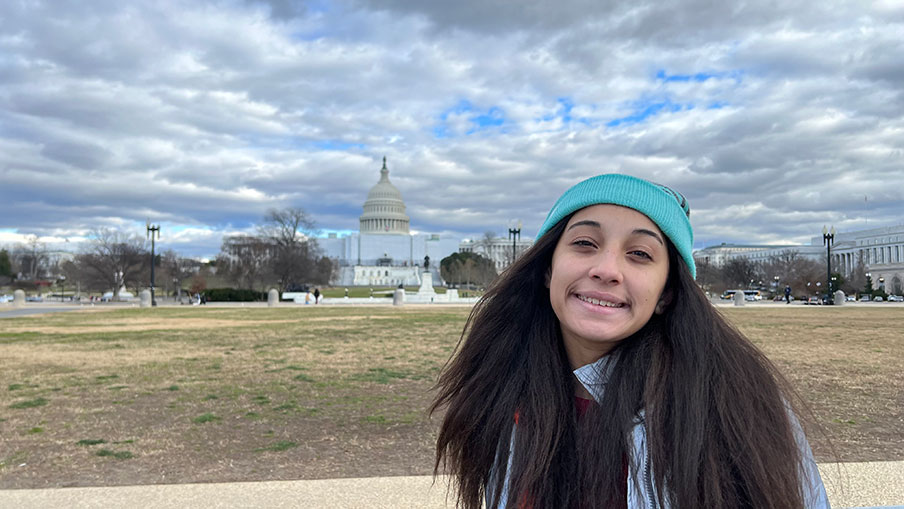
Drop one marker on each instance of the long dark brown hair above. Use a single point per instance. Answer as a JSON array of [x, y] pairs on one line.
[[716, 411]]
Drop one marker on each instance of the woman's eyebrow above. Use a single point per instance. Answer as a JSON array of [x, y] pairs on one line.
[[651, 233], [586, 222]]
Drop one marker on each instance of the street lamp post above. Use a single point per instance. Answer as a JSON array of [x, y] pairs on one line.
[[153, 232], [775, 292], [62, 288], [828, 238], [515, 234]]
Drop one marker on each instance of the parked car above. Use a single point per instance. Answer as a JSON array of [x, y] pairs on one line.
[[864, 298], [6, 298], [34, 298], [850, 298], [813, 301], [895, 298], [878, 298]]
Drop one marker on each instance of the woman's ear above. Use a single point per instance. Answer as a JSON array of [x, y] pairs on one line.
[[664, 300], [547, 277]]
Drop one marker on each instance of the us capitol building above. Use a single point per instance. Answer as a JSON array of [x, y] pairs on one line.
[[384, 252]]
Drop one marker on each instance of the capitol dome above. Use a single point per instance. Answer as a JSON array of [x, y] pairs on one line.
[[384, 210]]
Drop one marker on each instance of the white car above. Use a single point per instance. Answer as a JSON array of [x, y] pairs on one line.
[[895, 298], [6, 298]]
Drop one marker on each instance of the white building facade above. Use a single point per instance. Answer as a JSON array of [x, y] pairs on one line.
[[500, 250], [384, 252], [880, 251]]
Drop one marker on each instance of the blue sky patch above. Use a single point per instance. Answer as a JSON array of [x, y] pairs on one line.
[[700, 77], [480, 120], [337, 145], [643, 109]]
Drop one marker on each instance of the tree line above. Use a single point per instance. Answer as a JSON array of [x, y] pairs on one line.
[[786, 269], [282, 253]]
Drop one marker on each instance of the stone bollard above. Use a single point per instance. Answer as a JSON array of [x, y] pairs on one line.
[[739, 298], [839, 298], [18, 298], [272, 298], [145, 298], [398, 297]]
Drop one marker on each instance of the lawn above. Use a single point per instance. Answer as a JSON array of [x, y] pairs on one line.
[[140, 396]]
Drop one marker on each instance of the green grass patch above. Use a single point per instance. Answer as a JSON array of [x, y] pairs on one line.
[[210, 397], [252, 415], [173, 388], [101, 378], [282, 445], [375, 419], [208, 417], [261, 400], [30, 403], [36, 430], [117, 387], [120, 455], [91, 441], [301, 377]]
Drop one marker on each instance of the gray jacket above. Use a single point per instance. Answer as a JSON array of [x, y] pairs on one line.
[[641, 490]]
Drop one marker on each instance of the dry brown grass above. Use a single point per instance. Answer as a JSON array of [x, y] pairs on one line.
[[224, 394]]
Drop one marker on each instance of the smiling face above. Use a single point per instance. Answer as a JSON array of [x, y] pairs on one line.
[[607, 276]]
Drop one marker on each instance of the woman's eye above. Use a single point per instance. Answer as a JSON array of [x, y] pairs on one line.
[[583, 243], [641, 254]]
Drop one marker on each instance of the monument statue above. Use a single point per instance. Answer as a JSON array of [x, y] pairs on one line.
[[426, 262]]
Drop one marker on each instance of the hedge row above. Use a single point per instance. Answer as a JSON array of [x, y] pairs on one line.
[[233, 295]]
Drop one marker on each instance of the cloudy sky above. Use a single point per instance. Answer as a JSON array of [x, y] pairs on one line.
[[773, 118]]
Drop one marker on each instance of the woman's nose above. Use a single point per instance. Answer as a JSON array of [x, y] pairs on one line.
[[606, 267]]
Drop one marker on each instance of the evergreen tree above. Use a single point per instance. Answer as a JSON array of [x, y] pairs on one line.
[[868, 287], [837, 282], [6, 266]]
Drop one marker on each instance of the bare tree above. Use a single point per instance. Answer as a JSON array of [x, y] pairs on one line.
[[486, 243], [740, 272], [245, 260], [288, 226], [31, 258], [114, 259], [178, 269], [296, 259]]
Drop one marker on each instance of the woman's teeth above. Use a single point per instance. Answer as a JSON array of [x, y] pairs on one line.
[[597, 302]]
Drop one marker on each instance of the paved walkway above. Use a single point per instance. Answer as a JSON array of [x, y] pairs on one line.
[[875, 484]]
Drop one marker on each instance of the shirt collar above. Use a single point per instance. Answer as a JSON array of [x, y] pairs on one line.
[[595, 376]]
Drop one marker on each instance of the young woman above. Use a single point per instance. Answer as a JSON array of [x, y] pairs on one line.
[[595, 373]]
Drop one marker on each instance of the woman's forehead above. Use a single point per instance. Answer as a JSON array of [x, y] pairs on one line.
[[608, 213]]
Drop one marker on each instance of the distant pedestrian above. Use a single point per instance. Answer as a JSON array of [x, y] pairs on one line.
[[788, 294], [316, 295]]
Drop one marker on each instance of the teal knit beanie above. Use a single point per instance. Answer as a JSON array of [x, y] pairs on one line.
[[665, 207]]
